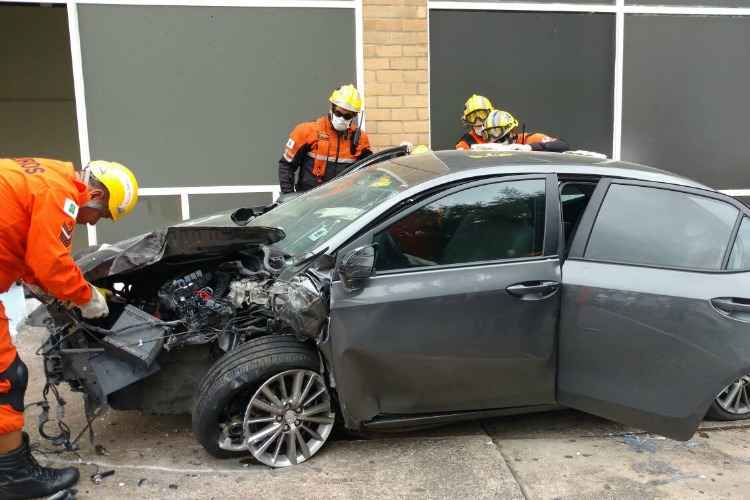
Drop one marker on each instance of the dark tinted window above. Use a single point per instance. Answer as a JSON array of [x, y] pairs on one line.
[[489, 222], [660, 227], [574, 197], [740, 259], [562, 67]]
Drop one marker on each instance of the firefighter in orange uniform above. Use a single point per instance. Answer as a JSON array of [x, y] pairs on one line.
[[501, 127], [42, 201], [476, 109], [318, 151]]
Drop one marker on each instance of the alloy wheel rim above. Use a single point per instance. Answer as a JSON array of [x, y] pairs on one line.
[[735, 398], [289, 418]]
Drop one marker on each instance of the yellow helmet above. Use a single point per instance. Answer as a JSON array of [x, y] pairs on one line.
[[498, 125], [121, 185], [347, 97], [476, 107]]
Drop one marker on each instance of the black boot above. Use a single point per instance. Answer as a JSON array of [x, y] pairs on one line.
[[22, 477]]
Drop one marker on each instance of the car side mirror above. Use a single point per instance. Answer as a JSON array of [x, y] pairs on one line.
[[356, 266]]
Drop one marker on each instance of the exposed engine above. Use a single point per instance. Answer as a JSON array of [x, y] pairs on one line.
[[216, 305], [170, 321]]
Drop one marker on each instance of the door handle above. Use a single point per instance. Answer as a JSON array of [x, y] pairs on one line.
[[533, 290], [731, 305]]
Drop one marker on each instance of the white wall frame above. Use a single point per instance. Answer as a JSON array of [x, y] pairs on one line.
[[619, 9], [80, 97], [80, 94], [617, 91], [322, 4], [185, 192], [359, 54]]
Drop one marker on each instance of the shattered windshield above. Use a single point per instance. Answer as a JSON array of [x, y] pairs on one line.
[[316, 216]]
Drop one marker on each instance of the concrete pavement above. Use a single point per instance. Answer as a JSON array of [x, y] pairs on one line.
[[565, 455]]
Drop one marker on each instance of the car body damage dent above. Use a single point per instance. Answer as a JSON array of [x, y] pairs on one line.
[[302, 302], [181, 240]]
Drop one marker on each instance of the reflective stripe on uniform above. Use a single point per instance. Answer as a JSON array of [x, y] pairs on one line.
[[330, 158]]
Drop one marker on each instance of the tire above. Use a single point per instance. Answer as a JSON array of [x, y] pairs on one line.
[[232, 380], [726, 407]]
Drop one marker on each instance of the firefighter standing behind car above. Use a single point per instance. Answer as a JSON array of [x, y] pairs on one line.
[[476, 110], [42, 201], [501, 127], [319, 151]]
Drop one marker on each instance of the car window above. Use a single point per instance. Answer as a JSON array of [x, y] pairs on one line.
[[497, 221], [740, 259], [574, 197], [316, 216], [660, 227]]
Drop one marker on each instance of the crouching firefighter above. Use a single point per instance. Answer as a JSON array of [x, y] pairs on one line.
[[319, 151], [476, 110], [42, 201], [501, 127]]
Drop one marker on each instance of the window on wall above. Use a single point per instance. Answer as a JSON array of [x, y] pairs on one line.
[[207, 96], [504, 220], [692, 124], [659, 227], [554, 71]]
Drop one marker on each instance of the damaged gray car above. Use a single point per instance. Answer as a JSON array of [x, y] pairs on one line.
[[423, 290]]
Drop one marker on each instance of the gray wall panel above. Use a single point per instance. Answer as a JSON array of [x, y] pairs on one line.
[[150, 213], [553, 71], [207, 96], [685, 106], [37, 103], [601, 2], [207, 204], [691, 3]]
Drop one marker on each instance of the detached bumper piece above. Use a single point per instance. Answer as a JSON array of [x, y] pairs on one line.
[[136, 337]]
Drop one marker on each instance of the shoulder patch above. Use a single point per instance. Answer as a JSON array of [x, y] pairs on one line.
[[70, 207], [66, 234], [290, 143]]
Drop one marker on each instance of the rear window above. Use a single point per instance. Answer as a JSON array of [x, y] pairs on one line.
[[660, 227]]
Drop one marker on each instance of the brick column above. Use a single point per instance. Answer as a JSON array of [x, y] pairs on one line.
[[396, 86]]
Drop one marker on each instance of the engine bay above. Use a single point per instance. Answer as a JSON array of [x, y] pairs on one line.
[[170, 320]]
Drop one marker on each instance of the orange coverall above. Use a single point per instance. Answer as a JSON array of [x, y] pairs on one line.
[[40, 200], [468, 139]]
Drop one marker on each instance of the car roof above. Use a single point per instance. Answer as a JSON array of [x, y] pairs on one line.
[[454, 162]]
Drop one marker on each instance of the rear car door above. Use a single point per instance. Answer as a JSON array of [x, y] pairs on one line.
[[655, 313], [462, 310]]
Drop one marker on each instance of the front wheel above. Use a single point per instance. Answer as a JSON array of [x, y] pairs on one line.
[[733, 402], [268, 398]]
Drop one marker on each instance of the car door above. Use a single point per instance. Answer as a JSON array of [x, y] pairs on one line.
[[655, 314], [462, 309]]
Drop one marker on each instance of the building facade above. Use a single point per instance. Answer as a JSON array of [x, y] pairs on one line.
[[199, 95]]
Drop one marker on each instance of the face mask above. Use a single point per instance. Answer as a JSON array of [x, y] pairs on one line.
[[478, 130], [339, 123]]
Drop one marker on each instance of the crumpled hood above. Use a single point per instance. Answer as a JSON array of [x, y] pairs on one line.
[[212, 235]]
